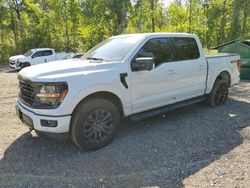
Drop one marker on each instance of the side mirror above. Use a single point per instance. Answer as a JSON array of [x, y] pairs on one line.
[[32, 57], [143, 63]]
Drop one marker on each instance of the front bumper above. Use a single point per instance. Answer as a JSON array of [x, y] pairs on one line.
[[33, 120], [13, 66]]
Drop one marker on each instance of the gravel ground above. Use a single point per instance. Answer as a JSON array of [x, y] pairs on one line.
[[195, 146]]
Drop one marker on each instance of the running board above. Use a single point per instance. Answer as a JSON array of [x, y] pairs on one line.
[[153, 112]]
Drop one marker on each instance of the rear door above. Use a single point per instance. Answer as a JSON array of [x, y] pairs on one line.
[[190, 68]]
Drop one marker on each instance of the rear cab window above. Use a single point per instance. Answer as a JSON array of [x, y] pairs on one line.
[[184, 48]]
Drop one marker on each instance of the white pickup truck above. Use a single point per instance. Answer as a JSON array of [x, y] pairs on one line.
[[35, 57], [136, 75]]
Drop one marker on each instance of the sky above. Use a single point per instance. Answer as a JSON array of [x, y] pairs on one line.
[[167, 2]]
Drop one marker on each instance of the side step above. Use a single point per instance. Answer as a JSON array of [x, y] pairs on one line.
[[153, 112]]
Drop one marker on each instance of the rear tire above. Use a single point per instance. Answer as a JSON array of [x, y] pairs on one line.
[[219, 93], [94, 123]]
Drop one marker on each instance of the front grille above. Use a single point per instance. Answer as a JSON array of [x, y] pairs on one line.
[[26, 91]]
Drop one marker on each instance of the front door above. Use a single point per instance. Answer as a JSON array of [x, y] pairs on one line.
[[37, 58], [151, 89]]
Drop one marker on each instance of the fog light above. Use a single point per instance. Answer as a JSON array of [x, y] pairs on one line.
[[48, 123]]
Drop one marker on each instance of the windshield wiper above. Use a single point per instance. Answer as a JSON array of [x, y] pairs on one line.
[[95, 58]]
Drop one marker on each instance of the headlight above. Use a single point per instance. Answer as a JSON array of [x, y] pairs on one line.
[[50, 95]]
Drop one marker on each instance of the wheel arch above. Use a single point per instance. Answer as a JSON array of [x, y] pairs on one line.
[[104, 95], [224, 75], [24, 64]]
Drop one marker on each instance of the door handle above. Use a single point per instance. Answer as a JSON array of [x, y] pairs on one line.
[[201, 67], [171, 71]]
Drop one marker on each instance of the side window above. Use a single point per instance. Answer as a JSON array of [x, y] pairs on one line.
[[47, 52], [37, 54], [158, 48], [184, 48], [42, 53]]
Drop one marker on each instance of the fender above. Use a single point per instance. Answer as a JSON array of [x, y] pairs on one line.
[[212, 78], [78, 97]]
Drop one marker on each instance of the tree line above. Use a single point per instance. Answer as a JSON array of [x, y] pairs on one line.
[[78, 25]]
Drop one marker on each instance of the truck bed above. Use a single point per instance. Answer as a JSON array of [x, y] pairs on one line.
[[222, 62], [209, 56]]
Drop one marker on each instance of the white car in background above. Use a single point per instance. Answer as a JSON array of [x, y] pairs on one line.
[[35, 57]]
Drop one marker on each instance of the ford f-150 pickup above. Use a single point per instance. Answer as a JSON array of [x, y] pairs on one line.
[[35, 57], [136, 75]]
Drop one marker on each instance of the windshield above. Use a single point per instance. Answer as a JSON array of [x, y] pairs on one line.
[[113, 49], [28, 53]]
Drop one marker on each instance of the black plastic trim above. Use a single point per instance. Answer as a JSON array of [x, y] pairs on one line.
[[42, 114], [149, 113], [123, 79]]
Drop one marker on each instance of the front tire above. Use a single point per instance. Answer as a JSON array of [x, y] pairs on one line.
[[23, 65], [219, 93], [94, 123]]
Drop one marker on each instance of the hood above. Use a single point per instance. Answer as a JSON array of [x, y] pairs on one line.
[[59, 70], [17, 57]]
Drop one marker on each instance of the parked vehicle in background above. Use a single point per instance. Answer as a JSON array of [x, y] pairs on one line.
[[35, 57], [137, 75]]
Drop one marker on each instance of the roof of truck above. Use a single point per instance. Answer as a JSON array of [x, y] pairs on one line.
[[155, 34], [38, 49]]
